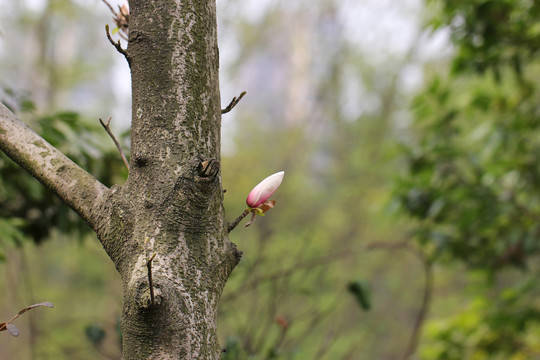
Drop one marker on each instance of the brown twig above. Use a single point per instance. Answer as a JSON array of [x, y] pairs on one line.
[[121, 18], [122, 21], [150, 284], [281, 339], [422, 314], [326, 344], [116, 44], [426, 298], [233, 103], [110, 6], [107, 128], [315, 319], [237, 220]]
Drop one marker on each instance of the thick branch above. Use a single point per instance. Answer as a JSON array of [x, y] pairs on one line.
[[78, 189]]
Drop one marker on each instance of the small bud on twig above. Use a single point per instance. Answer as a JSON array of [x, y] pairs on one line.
[[257, 200]]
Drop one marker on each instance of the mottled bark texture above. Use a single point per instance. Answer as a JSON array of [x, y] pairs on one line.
[[172, 203]]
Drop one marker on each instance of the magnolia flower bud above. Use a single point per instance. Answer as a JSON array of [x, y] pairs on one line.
[[264, 190]]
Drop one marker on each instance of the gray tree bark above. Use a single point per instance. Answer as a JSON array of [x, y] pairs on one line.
[[171, 206]]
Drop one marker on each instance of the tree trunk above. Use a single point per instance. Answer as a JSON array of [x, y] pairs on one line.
[[170, 209]]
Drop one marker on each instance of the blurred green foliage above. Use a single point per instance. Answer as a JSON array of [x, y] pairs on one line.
[[52, 72], [490, 35], [27, 209], [473, 177], [300, 115], [493, 325]]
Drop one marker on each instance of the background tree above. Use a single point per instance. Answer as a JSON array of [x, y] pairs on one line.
[[473, 176]]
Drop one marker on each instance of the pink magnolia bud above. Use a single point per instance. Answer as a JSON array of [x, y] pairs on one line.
[[264, 190]]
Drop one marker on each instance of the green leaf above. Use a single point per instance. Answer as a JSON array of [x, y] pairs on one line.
[[361, 292], [95, 333]]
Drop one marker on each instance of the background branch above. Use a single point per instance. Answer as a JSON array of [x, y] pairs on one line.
[[428, 290]]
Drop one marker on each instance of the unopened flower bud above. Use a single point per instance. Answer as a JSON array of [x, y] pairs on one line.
[[264, 190]]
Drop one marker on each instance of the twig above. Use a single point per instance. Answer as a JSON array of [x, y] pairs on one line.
[[426, 298], [237, 220], [233, 103], [314, 321], [326, 344], [107, 128], [150, 284], [12, 329], [110, 6], [121, 18], [116, 44], [123, 36], [281, 339], [422, 314]]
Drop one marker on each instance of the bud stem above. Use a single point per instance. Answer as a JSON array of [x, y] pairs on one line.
[[238, 219]]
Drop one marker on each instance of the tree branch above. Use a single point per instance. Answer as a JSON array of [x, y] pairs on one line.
[[422, 313], [233, 103], [77, 188], [428, 290], [110, 7], [117, 44], [236, 221], [150, 282]]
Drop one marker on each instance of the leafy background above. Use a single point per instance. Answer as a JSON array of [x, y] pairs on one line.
[[406, 225]]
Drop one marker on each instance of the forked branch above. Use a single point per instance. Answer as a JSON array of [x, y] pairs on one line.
[[233, 103], [121, 19], [116, 44]]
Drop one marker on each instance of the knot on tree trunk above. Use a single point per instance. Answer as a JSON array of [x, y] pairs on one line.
[[208, 169]]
